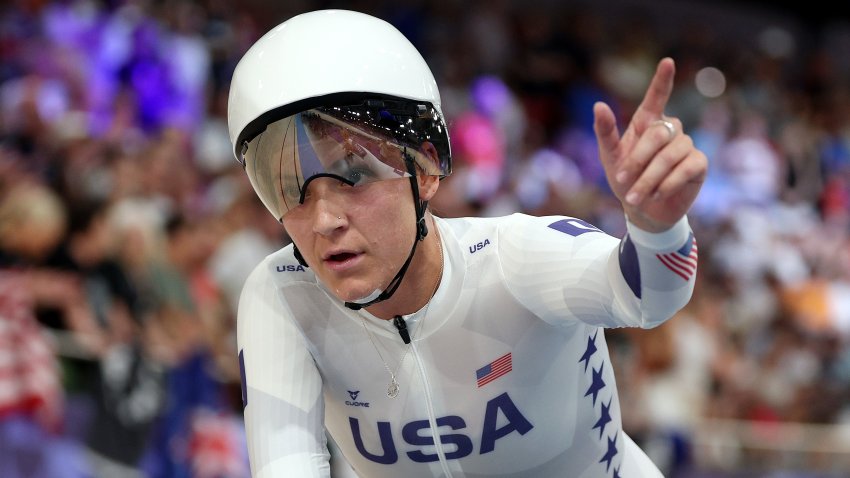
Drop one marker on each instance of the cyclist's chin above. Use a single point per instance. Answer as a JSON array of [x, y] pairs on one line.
[[353, 289]]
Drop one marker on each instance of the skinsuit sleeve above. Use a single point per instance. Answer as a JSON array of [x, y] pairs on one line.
[[565, 269], [281, 386]]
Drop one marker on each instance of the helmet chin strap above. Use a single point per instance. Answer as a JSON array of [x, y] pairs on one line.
[[421, 232]]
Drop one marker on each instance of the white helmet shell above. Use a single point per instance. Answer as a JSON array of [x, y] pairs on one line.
[[321, 53]]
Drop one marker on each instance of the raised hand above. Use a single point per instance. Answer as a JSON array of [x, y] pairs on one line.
[[653, 168]]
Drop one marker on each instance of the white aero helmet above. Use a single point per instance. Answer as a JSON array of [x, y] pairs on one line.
[[334, 93]]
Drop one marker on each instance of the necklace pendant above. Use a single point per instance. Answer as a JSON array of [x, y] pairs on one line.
[[392, 389]]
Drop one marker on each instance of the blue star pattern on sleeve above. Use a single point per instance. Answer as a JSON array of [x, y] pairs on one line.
[[611, 453], [596, 388], [597, 384], [591, 349], [604, 418]]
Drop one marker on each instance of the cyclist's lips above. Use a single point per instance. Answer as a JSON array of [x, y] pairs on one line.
[[341, 259]]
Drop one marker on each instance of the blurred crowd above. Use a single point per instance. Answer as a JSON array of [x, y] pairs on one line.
[[127, 228]]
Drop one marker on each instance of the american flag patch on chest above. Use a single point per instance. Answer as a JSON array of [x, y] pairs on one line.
[[494, 369]]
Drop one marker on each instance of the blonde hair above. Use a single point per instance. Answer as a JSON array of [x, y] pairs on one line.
[[30, 207]]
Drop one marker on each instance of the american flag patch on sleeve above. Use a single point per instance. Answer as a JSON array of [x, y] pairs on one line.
[[683, 261], [494, 369]]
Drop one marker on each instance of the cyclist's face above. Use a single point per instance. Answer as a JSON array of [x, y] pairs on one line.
[[355, 238]]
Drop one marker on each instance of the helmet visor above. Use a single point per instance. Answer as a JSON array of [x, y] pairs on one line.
[[356, 144]]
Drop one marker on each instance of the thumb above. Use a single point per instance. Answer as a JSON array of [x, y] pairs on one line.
[[607, 135]]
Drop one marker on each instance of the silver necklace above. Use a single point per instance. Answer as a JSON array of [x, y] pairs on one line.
[[393, 386]]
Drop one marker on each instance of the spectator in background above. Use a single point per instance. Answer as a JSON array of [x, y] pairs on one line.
[[197, 434], [478, 149], [32, 221], [124, 382]]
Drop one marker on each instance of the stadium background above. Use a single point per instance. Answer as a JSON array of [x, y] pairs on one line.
[[126, 227]]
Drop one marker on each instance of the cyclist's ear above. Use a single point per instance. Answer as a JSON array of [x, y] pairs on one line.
[[428, 186]]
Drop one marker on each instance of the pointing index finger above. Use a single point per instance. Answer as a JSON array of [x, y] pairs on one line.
[[657, 94]]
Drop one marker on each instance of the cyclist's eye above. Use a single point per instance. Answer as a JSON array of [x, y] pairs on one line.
[[359, 176]]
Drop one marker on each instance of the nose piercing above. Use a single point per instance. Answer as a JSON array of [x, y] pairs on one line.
[[339, 217]]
